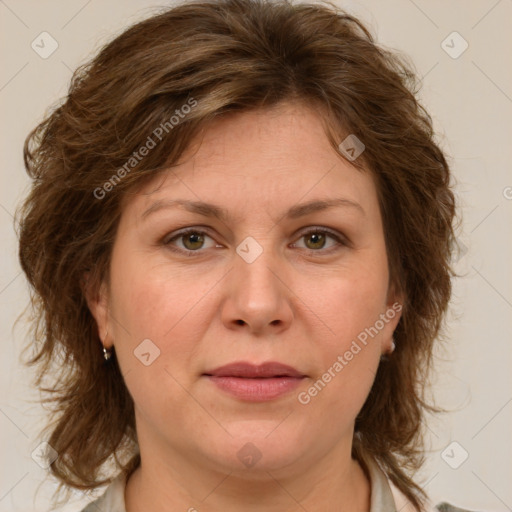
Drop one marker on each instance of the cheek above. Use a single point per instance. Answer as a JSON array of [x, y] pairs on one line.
[[348, 360], [154, 302], [170, 306], [353, 303], [350, 348], [157, 323]]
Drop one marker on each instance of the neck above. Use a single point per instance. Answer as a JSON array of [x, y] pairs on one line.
[[334, 482]]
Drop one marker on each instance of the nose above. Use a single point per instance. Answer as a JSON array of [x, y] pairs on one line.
[[257, 298]]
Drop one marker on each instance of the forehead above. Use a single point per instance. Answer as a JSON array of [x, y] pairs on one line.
[[261, 159]]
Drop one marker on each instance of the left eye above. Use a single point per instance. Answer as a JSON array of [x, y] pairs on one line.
[[317, 238]]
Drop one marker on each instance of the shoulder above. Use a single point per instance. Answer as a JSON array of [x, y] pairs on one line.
[[112, 500], [404, 505], [446, 507], [386, 497]]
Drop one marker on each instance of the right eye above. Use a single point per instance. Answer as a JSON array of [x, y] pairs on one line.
[[192, 240]]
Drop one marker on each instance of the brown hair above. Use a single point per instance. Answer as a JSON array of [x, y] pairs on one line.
[[222, 57]]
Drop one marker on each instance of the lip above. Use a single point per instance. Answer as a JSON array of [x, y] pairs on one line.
[[252, 371], [256, 383]]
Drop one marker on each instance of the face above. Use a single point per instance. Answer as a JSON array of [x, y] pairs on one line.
[[258, 277]]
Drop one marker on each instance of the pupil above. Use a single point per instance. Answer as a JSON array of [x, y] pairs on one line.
[[194, 239], [317, 238]]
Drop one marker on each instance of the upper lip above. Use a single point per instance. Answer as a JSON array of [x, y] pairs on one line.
[[249, 370]]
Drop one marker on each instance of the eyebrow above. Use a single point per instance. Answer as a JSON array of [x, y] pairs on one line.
[[212, 210]]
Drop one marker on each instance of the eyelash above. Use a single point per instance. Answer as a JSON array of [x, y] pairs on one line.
[[340, 240]]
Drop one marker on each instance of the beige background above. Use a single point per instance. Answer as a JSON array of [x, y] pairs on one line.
[[470, 98]]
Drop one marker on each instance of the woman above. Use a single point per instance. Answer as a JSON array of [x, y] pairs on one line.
[[239, 238]]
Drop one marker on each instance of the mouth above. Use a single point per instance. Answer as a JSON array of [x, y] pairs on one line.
[[246, 370], [255, 383]]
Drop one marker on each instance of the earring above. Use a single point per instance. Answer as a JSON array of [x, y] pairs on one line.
[[107, 353], [385, 356]]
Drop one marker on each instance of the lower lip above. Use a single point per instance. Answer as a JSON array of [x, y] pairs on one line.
[[256, 390]]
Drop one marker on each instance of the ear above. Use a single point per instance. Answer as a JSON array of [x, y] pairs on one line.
[[394, 307], [96, 295]]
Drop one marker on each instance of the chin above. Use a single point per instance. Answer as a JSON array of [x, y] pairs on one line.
[[257, 447]]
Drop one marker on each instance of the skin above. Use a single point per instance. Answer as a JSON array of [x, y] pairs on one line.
[[300, 303]]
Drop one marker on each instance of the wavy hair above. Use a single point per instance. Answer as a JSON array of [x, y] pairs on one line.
[[222, 57]]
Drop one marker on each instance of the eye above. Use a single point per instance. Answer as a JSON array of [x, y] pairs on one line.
[[316, 239], [191, 240]]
